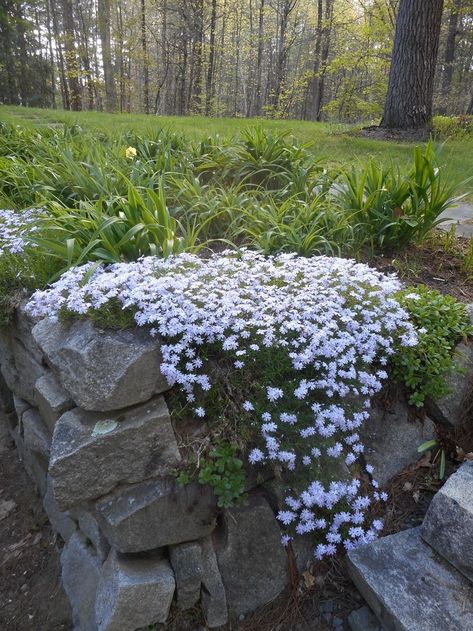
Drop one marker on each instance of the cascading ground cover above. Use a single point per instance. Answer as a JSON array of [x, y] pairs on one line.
[[309, 340]]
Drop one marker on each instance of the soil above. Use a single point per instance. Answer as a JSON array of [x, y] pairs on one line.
[[374, 132], [31, 596], [434, 265]]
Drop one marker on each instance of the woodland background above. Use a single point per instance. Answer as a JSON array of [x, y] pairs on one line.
[[306, 59]]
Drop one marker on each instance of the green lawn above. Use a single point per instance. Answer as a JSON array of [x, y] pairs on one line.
[[332, 142]]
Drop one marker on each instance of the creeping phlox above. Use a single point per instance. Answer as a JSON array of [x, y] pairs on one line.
[[15, 228], [335, 323]]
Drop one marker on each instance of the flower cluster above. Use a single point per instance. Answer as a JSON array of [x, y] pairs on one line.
[[328, 327], [15, 228]]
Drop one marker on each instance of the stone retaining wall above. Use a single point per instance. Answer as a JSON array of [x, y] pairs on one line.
[[86, 410]]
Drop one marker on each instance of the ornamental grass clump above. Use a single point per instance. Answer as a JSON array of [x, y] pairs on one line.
[[306, 342]]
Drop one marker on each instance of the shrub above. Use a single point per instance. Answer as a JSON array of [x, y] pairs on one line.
[[452, 126], [441, 322]]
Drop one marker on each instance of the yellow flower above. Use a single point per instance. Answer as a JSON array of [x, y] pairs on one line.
[[130, 153]]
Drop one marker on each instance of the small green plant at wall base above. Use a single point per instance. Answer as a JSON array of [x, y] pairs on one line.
[[224, 472], [441, 322]]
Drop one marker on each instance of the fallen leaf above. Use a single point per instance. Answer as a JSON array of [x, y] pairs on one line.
[[309, 579], [416, 496], [424, 461], [407, 486], [462, 456]]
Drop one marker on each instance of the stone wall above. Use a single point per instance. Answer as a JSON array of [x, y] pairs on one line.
[[86, 410]]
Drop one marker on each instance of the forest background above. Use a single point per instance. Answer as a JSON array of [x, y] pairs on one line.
[[303, 59]]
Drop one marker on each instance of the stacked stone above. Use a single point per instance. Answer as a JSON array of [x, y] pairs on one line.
[[91, 425]]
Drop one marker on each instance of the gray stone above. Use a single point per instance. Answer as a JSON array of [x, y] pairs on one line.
[[81, 570], [391, 440], [186, 561], [91, 530], [101, 369], [213, 597], [250, 553], [133, 593], [6, 397], [5, 431], [92, 453], [20, 406], [60, 522], [27, 370], [409, 586], [51, 399], [303, 549], [363, 619], [469, 310], [458, 219], [449, 409], [7, 364], [36, 465], [6, 353], [22, 327], [36, 435], [448, 524], [156, 513]]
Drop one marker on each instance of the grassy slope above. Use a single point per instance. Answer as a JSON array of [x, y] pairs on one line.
[[333, 143]]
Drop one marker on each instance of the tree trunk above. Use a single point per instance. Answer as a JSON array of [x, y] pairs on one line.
[[103, 10], [450, 45], [314, 107], [72, 63], [83, 32], [195, 89], [281, 55], [121, 64], [210, 70], [469, 109], [257, 100], [326, 36], [51, 54], [411, 79], [145, 57]]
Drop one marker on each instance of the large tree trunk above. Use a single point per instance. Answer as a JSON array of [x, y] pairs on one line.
[[411, 79]]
